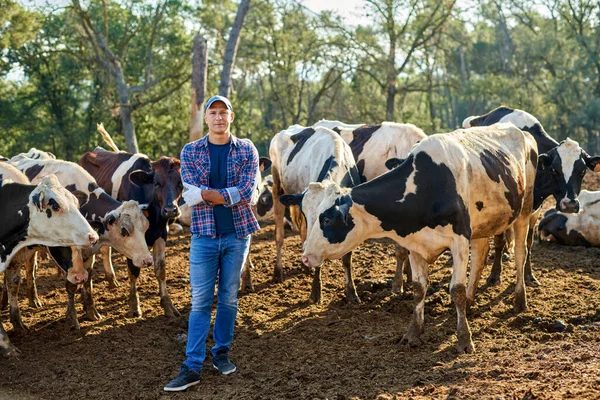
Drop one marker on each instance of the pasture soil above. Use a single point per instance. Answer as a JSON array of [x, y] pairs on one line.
[[287, 348]]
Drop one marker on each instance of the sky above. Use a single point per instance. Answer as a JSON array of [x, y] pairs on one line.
[[351, 10]]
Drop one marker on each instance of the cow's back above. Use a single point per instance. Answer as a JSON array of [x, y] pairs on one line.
[[494, 171], [111, 170], [304, 155]]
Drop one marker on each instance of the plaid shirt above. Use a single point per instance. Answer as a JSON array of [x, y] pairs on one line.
[[242, 173]]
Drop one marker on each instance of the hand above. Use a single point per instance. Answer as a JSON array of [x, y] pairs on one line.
[[192, 194], [213, 197]]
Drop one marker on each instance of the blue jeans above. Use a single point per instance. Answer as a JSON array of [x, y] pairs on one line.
[[222, 257]]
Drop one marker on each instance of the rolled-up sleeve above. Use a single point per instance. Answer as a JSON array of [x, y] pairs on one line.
[[188, 169]]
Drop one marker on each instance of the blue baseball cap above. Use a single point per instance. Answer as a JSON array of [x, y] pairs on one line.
[[224, 99]]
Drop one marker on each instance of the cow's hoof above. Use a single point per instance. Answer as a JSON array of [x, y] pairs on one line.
[[397, 289], [465, 346], [411, 340], [20, 329], [315, 298], [112, 282], [73, 325], [93, 315], [172, 312], [134, 313], [520, 305], [353, 298], [248, 288], [278, 276], [531, 281], [493, 280], [35, 302], [12, 351]]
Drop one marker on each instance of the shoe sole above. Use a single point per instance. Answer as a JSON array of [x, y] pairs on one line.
[[180, 388], [225, 373]]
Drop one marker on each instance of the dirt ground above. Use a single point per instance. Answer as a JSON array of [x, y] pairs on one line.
[[287, 348]]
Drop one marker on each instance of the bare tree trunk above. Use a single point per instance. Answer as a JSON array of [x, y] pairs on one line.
[[125, 110], [232, 46], [391, 95], [199, 73]]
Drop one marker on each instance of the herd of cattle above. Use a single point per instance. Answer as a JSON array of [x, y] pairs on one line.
[[339, 184]]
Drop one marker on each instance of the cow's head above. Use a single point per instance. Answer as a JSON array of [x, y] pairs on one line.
[[126, 228], [332, 229], [162, 185], [562, 170], [554, 227], [55, 218], [264, 205]]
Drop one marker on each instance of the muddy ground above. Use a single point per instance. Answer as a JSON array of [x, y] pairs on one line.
[[287, 348]]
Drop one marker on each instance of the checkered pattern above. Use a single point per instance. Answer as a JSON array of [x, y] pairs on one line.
[[242, 174]]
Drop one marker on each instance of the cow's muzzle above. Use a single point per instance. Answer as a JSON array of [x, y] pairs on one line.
[[170, 211], [569, 206]]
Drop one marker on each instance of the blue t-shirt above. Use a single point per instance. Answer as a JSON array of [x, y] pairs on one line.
[[218, 180]]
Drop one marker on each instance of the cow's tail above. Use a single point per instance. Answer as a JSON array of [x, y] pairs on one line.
[[107, 137]]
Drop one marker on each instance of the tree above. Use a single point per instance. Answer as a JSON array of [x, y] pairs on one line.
[[232, 47]]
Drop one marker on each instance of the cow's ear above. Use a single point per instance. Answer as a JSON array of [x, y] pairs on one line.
[[38, 200], [291, 199], [592, 163], [139, 177], [393, 162], [264, 164], [82, 197], [544, 160]]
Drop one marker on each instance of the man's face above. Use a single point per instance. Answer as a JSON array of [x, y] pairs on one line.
[[218, 118]]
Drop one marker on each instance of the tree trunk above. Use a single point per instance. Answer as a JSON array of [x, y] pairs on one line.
[[199, 73], [391, 95], [231, 49], [126, 112]]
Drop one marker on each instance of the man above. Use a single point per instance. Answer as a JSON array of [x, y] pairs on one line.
[[219, 173]]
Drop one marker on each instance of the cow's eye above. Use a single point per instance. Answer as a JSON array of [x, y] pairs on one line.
[[54, 205], [326, 221], [124, 232]]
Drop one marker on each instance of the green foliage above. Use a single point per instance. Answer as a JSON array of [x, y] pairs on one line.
[[294, 66]]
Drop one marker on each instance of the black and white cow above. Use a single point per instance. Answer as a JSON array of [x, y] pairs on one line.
[[560, 171], [45, 214], [372, 146], [120, 225], [569, 229], [302, 159], [156, 186], [452, 191]]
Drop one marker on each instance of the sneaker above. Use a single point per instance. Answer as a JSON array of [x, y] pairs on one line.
[[186, 378], [222, 362]]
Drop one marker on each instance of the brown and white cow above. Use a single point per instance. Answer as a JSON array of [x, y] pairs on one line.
[[120, 225], [156, 186], [45, 214], [301, 156], [560, 171], [452, 191]]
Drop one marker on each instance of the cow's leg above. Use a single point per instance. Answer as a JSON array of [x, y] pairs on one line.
[[12, 281], [479, 252], [316, 291], [279, 211], [5, 344], [31, 265], [158, 253], [89, 305], [351, 294], [109, 271], [71, 317], [77, 273], [521, 229], [247, 284], [134, 299], [460, 258], [401, 258], [3, 297], [499, 245], [419, 269], [530, 279]]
